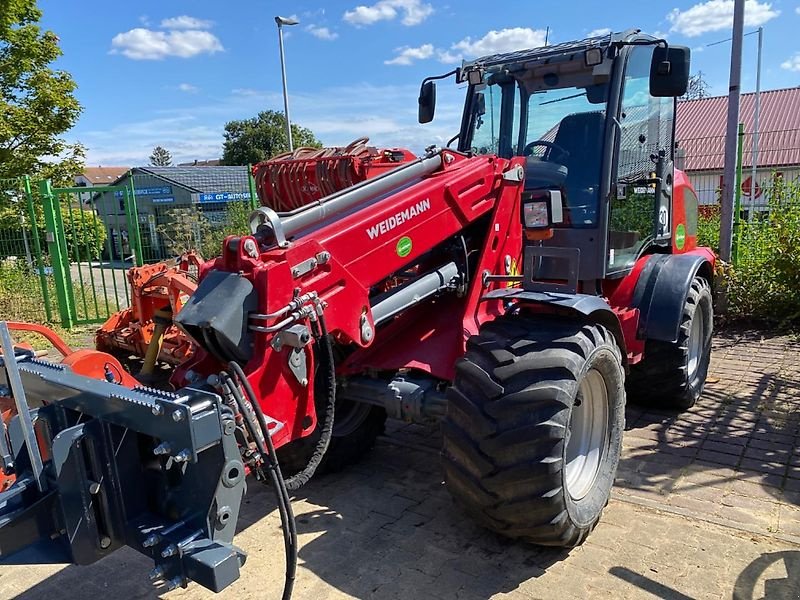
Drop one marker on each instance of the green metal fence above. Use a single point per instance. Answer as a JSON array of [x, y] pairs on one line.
[[26, 282], [88, 264]]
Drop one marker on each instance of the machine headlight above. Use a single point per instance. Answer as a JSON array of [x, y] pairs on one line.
[[536, 215]]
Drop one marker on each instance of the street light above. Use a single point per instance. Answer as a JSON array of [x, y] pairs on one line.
[[280, 22]]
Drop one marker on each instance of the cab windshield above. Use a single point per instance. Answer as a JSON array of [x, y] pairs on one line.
[[557, 121]]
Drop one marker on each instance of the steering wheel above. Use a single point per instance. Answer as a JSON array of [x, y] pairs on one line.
[[551, 148]]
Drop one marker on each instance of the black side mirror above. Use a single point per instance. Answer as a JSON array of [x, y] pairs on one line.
[[427, 102], [669, 71]]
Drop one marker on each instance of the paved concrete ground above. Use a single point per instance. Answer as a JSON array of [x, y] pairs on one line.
[[706, 506]]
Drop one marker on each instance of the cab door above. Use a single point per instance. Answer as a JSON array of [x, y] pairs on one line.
[[639, 214]]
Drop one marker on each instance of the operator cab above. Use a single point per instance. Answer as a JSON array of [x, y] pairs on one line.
[[594, 120]]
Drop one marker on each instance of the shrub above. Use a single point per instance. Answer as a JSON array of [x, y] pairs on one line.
[[764, 282], [237, 222], [84, 232], [184, 230], [20, 292]]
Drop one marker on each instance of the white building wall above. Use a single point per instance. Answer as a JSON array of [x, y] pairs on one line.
[[707, 184]]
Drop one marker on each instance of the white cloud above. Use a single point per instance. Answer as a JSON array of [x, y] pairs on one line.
[[146, 44], [716, 15], [186, 22], [188, 88], [338, 115], [792, 64], [406, 56], [413, 12], [322, 33], [495, 42], [598, 32]]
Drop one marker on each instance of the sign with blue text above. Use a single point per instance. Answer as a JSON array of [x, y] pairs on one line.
[[224, 197], [152, 191]]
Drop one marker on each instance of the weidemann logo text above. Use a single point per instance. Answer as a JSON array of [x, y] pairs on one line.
[[404, 215]]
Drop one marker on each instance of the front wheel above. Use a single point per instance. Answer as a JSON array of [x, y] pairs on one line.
[[533, 430], [673, 374]]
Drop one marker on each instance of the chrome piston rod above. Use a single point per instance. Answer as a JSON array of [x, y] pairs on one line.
[[396, 301]]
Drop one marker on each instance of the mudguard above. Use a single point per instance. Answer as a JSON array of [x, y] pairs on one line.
[[594, 308], [662, 289]]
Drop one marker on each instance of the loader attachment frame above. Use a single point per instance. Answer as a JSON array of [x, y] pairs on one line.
[[98, 466]]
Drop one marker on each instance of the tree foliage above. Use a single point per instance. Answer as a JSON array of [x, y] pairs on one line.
[[252, 140], [160, 157], [37, 104], [697, 88]]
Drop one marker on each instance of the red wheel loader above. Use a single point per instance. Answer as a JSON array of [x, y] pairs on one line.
[[513, 287]]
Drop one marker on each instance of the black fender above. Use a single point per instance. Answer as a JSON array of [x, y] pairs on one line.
[[592, 309], [661, 293]]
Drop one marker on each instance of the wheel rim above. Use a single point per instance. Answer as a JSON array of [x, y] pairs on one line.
[[587, 435], [349, 416], [696, 343]]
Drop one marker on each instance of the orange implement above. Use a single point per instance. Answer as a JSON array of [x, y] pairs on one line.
[[157, 292]]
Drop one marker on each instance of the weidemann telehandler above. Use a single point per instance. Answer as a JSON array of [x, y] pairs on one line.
[[512, 286]]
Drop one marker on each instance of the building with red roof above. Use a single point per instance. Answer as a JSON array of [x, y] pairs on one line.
[[700, 137]]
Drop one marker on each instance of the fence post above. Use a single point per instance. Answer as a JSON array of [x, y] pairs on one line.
[[57, 245], [737, 202], [37, 246], [134, 235], [254, 202]]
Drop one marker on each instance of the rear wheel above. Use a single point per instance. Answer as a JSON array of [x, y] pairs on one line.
[[673, 375], [533, 430], [356, 426]]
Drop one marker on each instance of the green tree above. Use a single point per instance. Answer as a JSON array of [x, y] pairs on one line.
[[37, 104], [252, 140], [160, 157]]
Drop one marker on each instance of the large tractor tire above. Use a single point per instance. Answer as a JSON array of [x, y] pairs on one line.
[[533, 430], [672, 375], [356, 426]]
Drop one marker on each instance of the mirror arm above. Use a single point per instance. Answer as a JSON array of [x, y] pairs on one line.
[[445, 76]]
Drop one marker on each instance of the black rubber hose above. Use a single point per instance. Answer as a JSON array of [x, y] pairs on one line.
[[300, 479], [297, 481], [265, 446]]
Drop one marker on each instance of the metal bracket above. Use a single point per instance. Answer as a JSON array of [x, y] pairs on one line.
[[298, 365], [264, 215], [515, 174], [310, 264], [296, 336], [533, 256], [304, 267], [17, 389]]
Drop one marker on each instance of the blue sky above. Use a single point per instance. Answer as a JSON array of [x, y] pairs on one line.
[[173, 72]]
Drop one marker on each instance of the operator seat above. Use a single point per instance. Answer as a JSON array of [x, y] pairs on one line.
[[581, 134]]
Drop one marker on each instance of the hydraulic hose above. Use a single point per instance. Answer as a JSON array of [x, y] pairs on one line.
[[296, 481], [265, 446]]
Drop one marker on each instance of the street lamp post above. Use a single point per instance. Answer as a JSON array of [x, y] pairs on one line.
[[280, 22]]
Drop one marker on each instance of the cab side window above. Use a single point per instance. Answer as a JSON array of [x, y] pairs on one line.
[[646, 125]]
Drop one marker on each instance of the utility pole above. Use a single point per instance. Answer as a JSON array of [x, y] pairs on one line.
[[729, 175], [756, 111]]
